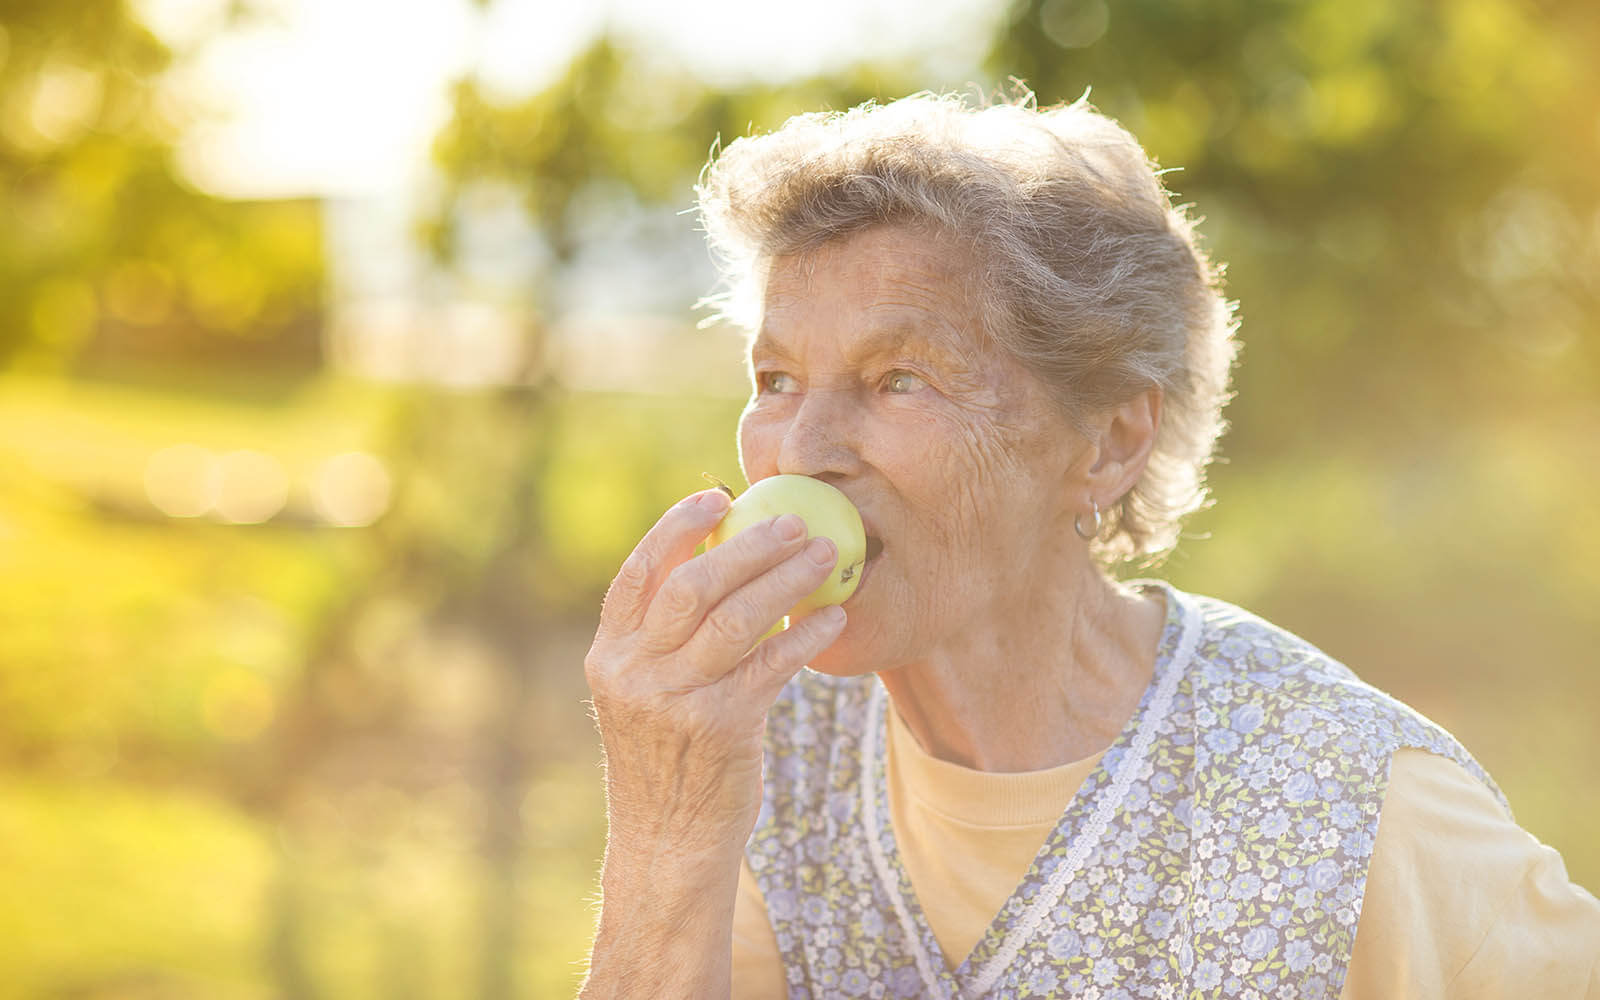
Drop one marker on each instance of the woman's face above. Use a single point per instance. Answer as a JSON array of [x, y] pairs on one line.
[[871, 372]]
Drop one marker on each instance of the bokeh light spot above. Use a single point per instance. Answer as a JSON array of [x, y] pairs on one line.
[[179, 480], [251, 487], [65, 100], [1074, 24], [350, 490]]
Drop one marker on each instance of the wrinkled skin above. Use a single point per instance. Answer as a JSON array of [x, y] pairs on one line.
[[871, 373], [680, 697], [983, 613]]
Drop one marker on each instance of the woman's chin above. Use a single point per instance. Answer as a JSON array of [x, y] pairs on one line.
[[847, 657]]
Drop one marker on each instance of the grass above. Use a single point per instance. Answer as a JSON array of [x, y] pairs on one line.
[[142, 659]]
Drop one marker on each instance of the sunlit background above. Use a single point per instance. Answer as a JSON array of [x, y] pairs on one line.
[[347, 345]]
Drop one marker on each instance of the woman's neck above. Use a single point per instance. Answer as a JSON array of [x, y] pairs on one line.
[[1008, 699]]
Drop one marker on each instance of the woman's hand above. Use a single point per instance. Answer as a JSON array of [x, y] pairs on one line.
[[681, 686], [682, 681]]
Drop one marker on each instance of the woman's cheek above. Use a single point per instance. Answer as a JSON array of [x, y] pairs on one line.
[[757, 442]]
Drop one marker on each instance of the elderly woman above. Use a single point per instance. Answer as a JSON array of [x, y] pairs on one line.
[[1004, 772]]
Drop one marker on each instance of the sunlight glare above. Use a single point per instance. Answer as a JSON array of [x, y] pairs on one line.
[[350, 490], [251, 487], [178, 480], [343, 97]]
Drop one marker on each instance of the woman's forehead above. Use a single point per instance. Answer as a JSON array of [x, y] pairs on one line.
[[882, 289], [885, 252]]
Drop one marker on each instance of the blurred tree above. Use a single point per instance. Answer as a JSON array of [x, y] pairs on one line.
[[108, 258], [480, 546], [1405, 195], [621, 125], [1405, 191]]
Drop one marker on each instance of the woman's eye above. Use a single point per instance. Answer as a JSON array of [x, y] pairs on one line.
[[777, 382], [903, 382]]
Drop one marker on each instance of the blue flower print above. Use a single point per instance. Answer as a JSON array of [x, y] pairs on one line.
[[1222, 741], [1207, 974], [1042, 983], [1300, 787], [1228, 863], [781, 905], [1275, 824], [1297, 722], [1105, 970], [1258, 942], [1247, 718], [1064, 944], [1357, 844], [1141, 888], [1297, 954], [906, 981], [1158, 924], [871, 923], [1325, 874], [840, 806], [1245, 885], [816, 847]]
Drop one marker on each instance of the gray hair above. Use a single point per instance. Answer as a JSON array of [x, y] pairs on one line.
[[1088, 275]]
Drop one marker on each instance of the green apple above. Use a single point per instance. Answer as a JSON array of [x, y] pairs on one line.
[[827, 513]]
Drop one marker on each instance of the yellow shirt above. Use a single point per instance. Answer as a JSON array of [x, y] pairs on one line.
[[1460, 901]]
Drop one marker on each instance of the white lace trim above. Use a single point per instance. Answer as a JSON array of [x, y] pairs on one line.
[[1109, 804], [876, 719]]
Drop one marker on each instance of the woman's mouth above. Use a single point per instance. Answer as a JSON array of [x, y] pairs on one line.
[[874, 549]]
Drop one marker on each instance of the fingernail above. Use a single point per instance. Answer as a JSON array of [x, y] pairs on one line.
[[821, 551], [789, 527], [712, 500], [830, 615]]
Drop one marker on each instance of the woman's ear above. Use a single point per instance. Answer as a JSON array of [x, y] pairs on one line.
[[1127, 436]]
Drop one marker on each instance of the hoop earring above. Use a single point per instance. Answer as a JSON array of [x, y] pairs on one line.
[[1088, 536]]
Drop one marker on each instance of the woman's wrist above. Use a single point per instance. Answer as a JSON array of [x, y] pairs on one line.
[[666, 926]]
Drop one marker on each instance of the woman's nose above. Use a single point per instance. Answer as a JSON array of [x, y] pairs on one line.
[[821, 436]]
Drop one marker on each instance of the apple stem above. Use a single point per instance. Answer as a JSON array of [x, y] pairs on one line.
[[719, 484]]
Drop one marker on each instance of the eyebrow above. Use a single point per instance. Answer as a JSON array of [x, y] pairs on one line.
[[875, 341]]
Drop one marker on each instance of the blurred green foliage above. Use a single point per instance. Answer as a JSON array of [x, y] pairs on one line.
[[299, 760], [621, 125], [1405, 194], [108, 258]]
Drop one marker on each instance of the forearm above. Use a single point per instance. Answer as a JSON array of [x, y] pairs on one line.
[[682, 680], [666, 927]]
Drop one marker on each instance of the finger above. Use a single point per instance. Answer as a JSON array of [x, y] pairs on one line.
[[692, 589], [737, 623], [770, 665], [666, 545]]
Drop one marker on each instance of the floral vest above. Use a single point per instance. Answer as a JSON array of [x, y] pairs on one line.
[[1219, 848]]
